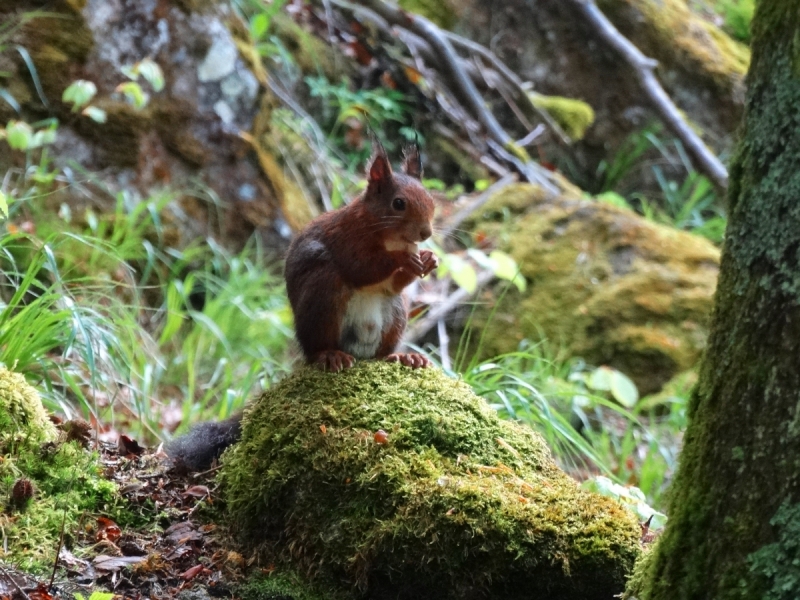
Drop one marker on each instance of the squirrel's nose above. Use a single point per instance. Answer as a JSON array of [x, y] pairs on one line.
[[425, 232]]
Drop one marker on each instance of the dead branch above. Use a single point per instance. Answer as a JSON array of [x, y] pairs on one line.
[[417, 330], [511, 78], [484, 159], [452, 67], [643, 68]]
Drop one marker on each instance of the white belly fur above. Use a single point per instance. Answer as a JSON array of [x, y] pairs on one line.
[[367, 316]]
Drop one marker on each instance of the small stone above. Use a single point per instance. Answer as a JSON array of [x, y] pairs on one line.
[[220, 60]]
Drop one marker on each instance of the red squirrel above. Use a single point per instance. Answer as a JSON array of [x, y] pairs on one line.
[[345, 274], [346, 271]]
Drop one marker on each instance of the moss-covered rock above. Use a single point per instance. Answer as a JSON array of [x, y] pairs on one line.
[[23, 419], [455, 503], [604, 283]]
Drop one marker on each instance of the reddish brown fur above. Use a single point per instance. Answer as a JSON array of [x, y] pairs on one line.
[[344, 251]]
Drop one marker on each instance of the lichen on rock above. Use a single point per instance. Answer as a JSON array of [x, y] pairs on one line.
[[454, 503], [22, 416], [604, 284]]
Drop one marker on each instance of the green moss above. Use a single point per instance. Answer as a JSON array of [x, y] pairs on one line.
[[57, 41], [440, 12], [604, 283], [776, 567], [68, 485], [23, 420], [456, 501], [679, 38], [285, 585], [311, 54], [574, 116], [66, 479]]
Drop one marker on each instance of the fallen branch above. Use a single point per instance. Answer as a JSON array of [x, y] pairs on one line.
[[643, 67], [453, 69], [463, 145], [422, 326], [511, 78]]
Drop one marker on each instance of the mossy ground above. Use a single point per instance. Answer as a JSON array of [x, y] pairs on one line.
[[68, 486], [604, 284], [457, 503]]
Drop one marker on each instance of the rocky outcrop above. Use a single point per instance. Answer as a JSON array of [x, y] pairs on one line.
[[603, 283], [188, 135]]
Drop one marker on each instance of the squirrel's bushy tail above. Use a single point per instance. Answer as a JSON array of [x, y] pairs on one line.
[[205, 442]]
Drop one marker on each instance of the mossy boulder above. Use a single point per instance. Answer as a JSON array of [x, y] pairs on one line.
[[453, 503], [23, 419], [604, 284]]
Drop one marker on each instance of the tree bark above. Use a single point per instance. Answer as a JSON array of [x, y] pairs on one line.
[[734, 528]]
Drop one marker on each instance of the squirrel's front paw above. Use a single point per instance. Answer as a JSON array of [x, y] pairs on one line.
[[429, 262], [412, 359], [334, 360]]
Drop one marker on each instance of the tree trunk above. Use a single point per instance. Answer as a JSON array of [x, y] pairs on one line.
[[734, 529]]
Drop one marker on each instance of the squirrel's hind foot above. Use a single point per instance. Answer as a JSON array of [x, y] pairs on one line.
[[412, 359], [333, 360]]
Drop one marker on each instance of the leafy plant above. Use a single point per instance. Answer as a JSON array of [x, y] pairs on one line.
[[629, 496], [350, 113], [691, 204], [80, 93], [738, 15]]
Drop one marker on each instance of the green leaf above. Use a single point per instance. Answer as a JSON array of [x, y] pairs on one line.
[[600, 379], [152, 73], [462, 272], [98, 115], [133, 93], [258, 26], [3, 204], [19, 135], [79, 93], [506, 268], [43, 137], [481, 184], [176, 315], [623, 389]]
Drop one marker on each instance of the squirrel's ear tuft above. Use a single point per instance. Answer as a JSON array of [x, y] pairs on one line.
[[379, 168], [412, 163]]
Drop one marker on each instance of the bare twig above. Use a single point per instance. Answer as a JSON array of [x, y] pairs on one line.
[[444, 345], [14, 583], [58, 548], [452, 68], [487, 161], [643, 67], [429, 321], [510, 77], [458, 218], [449, 62]]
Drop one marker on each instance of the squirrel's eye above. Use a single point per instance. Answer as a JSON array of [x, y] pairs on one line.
[[399, 204]]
